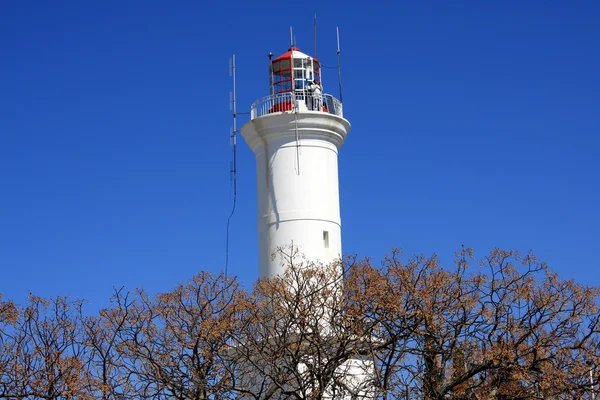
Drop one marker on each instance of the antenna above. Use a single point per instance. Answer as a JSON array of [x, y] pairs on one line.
[[233, 165], [233, 142], [337, 30], [291, 37], [271, 82], [315, 37]]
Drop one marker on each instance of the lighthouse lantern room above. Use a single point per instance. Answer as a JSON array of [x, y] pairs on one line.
[[293, 69], [295, 133]]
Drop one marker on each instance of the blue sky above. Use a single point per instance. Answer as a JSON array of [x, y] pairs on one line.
[[473, 122]]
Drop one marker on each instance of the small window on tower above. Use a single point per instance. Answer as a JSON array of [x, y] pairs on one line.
[[326, 239]]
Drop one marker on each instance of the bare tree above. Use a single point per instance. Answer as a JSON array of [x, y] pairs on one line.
[[103, 337], [505, 330], [176, 343], [42, 351], [502, 328], [300, 340]]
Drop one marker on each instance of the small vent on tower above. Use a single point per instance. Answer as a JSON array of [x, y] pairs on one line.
[[326, 239]]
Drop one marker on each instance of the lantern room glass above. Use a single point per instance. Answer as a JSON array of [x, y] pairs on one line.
[[293, 74]]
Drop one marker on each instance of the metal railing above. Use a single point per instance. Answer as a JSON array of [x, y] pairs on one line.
[[290, 102]]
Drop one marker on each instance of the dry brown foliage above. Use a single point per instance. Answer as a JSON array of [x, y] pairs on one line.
[[502, 328]]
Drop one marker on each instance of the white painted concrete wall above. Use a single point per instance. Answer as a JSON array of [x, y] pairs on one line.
[[297, 184]]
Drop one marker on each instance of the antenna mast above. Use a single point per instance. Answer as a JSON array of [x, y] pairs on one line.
[[337, 30], [315, 37], [233, 142], [234, 130], [233, 165]]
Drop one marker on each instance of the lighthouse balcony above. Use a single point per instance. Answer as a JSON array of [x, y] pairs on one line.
[[295, 102]]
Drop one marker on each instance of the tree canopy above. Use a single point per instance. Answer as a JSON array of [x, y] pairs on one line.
[[503, 327]]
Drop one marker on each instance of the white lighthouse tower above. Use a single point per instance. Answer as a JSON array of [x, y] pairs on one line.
[[295, 134]]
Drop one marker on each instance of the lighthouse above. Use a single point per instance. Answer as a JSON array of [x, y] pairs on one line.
[[295, 133]]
